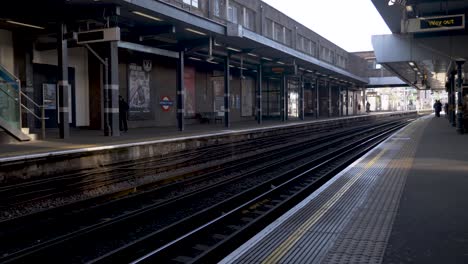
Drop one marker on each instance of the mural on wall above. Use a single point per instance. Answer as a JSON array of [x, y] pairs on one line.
[[247, 97], [189, 98], [139, 91]]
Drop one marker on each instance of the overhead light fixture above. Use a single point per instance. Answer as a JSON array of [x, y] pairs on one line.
[[23, 24], [280, 62], [147, 16], [411, 63], [234, 49], [310, 71], [302, 69], [193, 58], [267, 59], [232, 66], [212, 62], [217, 44], [252, 54], [196, 31], [409, 9]]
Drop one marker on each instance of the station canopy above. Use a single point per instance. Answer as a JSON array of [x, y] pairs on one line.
[[429, 38]]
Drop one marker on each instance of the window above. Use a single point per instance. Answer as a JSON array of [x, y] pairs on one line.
[[313, 48], [268, 28], [193, 3], [287, 36], [249, 19], [278, 32], [341, 61], [378, 66], [326, 54], [370, 64], [217, 8], [233, 13]]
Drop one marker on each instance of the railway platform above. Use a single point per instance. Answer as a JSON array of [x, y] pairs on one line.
[[404, 202], [89, 149]]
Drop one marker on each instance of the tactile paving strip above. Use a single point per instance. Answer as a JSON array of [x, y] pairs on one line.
[[365, 237], [347, 220]]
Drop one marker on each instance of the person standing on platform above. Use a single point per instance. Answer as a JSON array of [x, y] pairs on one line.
[[123, 114], [437, 108], [367, 107]]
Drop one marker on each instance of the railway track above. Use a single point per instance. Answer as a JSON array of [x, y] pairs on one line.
[[233, 222], [122, 221], [66, 185]]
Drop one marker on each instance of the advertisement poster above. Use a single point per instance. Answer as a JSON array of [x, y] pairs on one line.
[[189, 83], [49, 93], [139, 91], [247, 97], [218, 94]]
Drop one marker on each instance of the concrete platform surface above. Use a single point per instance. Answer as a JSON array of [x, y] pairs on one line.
[[404, 202]]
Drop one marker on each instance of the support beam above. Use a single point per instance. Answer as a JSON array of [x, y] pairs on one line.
[[317, 98], [259, 93], [283, 98], [341, 102], [180, 92], [347, 101], [330, 110], [452, 113], [111, 92], [460, 128], [227, 88], [63, 107], [301, 99]]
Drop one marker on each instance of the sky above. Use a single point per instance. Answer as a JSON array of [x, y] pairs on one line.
[[347, 23]]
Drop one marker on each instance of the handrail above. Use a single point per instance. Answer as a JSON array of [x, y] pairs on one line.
[[9, 73], [42, 118], [31, 100], [32, 113]]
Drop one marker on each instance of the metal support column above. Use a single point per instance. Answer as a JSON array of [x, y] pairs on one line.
[[452, 114], [301, 99], [347, 101], [330, 110], [341, 102], [28, 86], [259, 93], [180, 92], [111, 92], [317, 98], [283, 98], [460, 128], [63, 108], [227, 82], [363, 106]]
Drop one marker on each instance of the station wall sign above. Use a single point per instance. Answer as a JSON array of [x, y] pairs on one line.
[[431, 24], [166, 103]]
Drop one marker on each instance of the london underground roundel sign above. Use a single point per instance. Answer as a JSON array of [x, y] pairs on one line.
[[166, 103]]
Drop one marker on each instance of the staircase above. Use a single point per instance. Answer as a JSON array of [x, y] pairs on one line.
[[10, 106]]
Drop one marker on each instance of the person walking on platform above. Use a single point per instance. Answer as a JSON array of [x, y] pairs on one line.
[[367, 107], [437, 108], [123, 114]]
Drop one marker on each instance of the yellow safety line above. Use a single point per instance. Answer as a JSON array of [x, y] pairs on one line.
[[281, 251]]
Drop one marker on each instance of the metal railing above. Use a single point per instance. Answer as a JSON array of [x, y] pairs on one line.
[[11, 105], [42, 116]]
